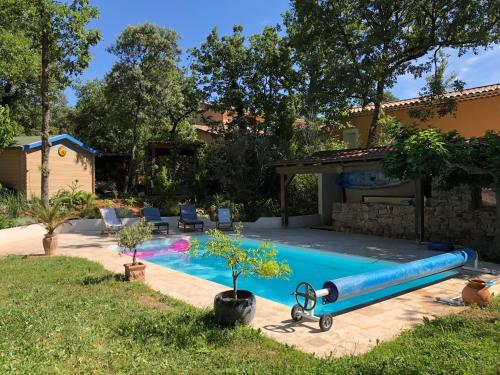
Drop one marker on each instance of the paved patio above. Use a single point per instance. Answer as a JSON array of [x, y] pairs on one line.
[[354, 332]]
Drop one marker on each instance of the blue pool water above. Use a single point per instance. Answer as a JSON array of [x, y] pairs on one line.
[[311, 265]]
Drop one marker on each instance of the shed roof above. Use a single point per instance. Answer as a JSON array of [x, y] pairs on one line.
[[35, 141], [337, 156]]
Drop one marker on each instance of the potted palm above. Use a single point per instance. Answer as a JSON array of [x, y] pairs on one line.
[[236, 305], [50, 217], [129, 239]]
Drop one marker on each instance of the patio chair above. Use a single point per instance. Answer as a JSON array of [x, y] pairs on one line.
[[224, 220], [152, 215], [110, 222], [189, 217]]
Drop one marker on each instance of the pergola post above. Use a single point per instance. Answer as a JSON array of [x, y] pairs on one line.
[[419, 210], [285, 180]]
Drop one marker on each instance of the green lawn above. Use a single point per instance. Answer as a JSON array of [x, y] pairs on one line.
[[67, 315]]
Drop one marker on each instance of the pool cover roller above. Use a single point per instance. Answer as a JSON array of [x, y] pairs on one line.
[[355, 285]]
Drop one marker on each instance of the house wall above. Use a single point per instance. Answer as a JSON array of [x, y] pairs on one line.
[[12, 169], [449, 216], [77, 164], [472, 118], [356, 195]]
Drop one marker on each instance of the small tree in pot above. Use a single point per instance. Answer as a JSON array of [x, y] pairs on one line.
[[51, 217], [129, 239], [235, 305]]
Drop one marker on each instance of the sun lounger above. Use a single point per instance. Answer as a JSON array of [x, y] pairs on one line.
[[152, 215], [110, 222], [224, 220], [189, 218]]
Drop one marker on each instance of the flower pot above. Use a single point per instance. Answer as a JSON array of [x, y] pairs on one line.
[[135, 272], [476, 292], [229, 310], [50, 242]]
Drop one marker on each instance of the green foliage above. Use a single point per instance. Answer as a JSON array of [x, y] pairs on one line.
[[433, 96], [123, 212], [303, 195], [419, 153], [50, 216], [74, 199], [259, 262], [104, 320], [130, 237], [107, 203], [350, 52], [7, 129], [12, 204], [447, 156]]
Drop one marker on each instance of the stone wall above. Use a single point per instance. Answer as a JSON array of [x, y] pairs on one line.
[[449, 216]]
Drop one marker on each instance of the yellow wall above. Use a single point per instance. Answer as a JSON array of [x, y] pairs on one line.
[[12, 169], [472, 118], [76, 165]]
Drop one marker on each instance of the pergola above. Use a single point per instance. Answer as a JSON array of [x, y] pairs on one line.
[[328, 164]]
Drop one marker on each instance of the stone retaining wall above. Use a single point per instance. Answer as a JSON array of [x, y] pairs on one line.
[[449, 216]]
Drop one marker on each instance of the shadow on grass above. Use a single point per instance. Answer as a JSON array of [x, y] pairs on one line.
[[182, 329], [94, 280]]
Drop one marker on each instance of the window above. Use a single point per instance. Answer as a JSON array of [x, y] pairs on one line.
[[350, 138], [487, 198]]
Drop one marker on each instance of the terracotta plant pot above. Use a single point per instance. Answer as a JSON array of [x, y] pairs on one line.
[[228, 310], [476, 292], [50, 242], [135, 272]]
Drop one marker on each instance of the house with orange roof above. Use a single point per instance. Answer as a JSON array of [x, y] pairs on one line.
[[477, 110]]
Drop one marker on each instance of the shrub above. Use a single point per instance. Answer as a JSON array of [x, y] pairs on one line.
[[123, 212], [50, 216], [131, 237], [242, 262]]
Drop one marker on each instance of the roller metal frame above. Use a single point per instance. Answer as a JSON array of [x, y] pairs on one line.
[[305, 309]]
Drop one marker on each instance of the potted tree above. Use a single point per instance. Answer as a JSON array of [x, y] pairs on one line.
[[236, 305], [129, 238], [51, 217]]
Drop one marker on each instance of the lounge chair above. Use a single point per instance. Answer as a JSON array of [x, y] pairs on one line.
[[152, 215], [224, 220], [189, 217], [110, 222]]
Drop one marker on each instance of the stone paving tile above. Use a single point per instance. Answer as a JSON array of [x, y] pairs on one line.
[[353, 333]]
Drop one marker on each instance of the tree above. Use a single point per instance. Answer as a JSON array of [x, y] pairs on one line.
[[7, 130], [64, 44], [92, 122], [252, 82], [363, 46], [52, 38], [260, 261], [147, 57]]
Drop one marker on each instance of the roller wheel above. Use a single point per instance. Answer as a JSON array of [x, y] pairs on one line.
[[325, 322], [296, 312]]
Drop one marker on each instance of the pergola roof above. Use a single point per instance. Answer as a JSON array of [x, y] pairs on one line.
[[336, 156]]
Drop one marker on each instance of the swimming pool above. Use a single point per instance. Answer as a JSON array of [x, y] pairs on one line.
[[311, 265]]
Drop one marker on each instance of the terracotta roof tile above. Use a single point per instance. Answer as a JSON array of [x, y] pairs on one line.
[[467, 94], [338, 156]]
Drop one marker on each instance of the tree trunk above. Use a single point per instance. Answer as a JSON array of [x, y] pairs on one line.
[[45, 111], [131, 167], [379, 96], [235, 285]]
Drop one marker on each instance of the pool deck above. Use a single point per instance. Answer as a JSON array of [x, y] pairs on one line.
[[352, 333]]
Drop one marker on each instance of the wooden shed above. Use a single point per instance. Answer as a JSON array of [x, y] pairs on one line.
[[69, 160]]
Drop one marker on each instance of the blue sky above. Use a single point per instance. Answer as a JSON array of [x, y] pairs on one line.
[[194, 19]]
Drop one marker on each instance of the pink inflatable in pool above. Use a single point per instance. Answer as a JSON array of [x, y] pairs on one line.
[[179, 246]]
